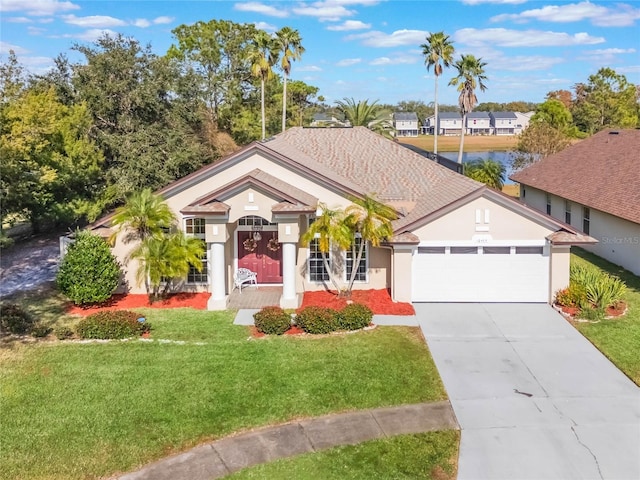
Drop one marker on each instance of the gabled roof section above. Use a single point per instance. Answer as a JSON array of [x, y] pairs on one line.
[[213, 208], [600, 172], [449, 115], [262, 181], [406, 116], [478, 115], [503, 115]]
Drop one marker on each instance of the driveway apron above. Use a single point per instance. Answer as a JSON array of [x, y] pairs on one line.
[[533, 397]]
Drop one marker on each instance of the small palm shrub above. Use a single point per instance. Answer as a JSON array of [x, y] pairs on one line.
[[14, 320], [272, 321], [317, 320], [354, 317], [601, 290], [89, 273], [114, 324]]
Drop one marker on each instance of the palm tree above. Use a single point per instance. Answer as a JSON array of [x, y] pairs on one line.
[[437, 49], [470, 76], [331, 232], [365, 114], [288, 42], [370, 219], [490, 172], [144, 215], [262, 56]]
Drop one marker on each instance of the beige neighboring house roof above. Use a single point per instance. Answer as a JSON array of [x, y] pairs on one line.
[[600, 172]]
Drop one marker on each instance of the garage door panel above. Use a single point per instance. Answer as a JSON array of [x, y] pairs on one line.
[[480, 277]]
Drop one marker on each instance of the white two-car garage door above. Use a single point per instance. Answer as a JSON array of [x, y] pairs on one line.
[[480, 274]]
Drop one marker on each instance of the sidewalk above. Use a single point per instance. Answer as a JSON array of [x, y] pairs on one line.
[[230, 454]]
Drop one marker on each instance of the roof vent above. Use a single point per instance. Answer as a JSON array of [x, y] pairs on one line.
[[614, 132]]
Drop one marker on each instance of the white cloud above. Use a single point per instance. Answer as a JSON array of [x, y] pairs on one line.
[[522, 38], [478, 2], [162, 20], [267, 27], [141, 23], [605, 56], [6, 47], [309, 68], [629, 69], [347, 62], [324, 11], [611, 51], [37, 7], [257, 7], [396, 60], [94, 21], [19, 20], [31, 30], [622, 15], [349, 25], [90, 35], [395, 39], [524, 63]]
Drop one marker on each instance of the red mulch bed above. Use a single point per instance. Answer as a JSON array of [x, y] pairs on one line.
[[292, 331], [379, 301], [127, 301]]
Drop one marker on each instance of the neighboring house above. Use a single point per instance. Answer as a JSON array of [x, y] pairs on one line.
[[593, 185], [479, 123], [428, 125], [454, 238], [324, 120], [503, 123], [405, 124], [450, 123], [522, 121]]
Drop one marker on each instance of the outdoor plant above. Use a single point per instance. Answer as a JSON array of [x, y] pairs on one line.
[[40, 330], [354, 317], [575, 295], [601, 290], [14, 320], [317, 320], [63, 333], [272, 321], [112, 324], [89, 273]]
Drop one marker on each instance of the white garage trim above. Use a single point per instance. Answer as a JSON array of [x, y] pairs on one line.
[[465, 273]]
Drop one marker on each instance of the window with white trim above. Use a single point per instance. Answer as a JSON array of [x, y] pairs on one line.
[[586, 219], [194, 226], [317, 271], [352, 254], [548, 204], [195, 276], [567, 212]]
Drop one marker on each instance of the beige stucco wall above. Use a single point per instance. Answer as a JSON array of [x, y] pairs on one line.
[[559, 271], [503, 224], [618, 239]]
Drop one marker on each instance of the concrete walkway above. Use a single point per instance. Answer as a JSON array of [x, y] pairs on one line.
[[225, 456], [534, 399]]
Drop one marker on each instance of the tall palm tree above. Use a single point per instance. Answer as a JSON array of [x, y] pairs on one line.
[[331, 232], [437, 49], [289, 44], [262, 57], [143, 215], [370, 219], [470, 76], [488, 171], [365, 114]]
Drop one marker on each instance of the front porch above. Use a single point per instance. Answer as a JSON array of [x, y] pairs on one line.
[[256, 298]]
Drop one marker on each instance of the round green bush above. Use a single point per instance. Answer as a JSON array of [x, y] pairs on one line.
[[354, 317], [111, 324], [40, 331], [317, 320], [272, 321], [89, 272], [14, 320], [63, 333]]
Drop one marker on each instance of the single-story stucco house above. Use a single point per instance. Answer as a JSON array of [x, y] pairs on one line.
[[593, 185], [455, 240]]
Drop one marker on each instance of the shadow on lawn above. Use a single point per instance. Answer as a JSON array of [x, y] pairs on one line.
[[632, 281]]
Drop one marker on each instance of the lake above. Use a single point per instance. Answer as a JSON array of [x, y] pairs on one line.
[[502, 157]]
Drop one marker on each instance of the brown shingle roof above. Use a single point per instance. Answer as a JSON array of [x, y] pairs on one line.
[[600, 172], [375, 165]]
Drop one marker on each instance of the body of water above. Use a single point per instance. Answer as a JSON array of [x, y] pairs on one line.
[[502, 157]]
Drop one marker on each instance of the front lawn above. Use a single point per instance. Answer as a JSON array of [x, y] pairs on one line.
[[432, 455], [618, 339], [72, 410]]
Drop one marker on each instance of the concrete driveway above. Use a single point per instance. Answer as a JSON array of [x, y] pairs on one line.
[[578, 416]]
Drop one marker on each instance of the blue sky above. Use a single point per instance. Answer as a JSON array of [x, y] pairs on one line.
[[367, 49]]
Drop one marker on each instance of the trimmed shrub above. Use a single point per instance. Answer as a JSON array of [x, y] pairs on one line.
[[40, 330], [113, 324], [354, 317], [63, 333], [89, 273], [317, 320], [575, 295], [272, 321], [14, 319]]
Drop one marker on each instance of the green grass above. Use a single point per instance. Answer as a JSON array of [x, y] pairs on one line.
[[618, 339], [73, 410], [430, 455]]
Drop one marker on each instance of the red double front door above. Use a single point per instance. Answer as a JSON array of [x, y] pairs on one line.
[[265, 262]]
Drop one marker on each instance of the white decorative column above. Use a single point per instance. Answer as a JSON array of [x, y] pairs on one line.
[[217, 284], [289, 298]]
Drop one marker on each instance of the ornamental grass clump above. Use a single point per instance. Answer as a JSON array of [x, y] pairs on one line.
[[272, 321], [112, 324], [317, 320]]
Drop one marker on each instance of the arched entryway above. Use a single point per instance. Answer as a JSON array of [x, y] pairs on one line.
[[258, 248]]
